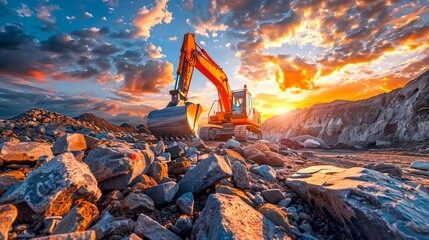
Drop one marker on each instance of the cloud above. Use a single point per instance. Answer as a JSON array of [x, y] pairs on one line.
[[188, 4], [24, 11], [92, 32], [77, 75], [106, 49], [209, 23], [63, 43], [146, 18], [111, 3], [44, 14], [87, 15], [172, 38], [150, 77], [109, 78], [153, 51], [124, 34]]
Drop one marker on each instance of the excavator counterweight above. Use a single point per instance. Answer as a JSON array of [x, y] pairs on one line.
[[234, 117]]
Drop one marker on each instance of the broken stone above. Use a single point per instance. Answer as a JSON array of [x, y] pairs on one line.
[[158, 171], [85, 235], [239, 175], [179, 166], [78, 219], [186, 203], [420, 165], [148, 228], [311, 143], [184, 223], [232, 143], [390, 168], [278, 217], [163, 193], [274, 159], [365, 203], [273, 195], [69, 142], [9, 179], [18, 152], [207, 172], [159, 148], [8, 214], [175, 151], [115, 167], [228, 217], [137, 201], [264, 171], [236, 192], [52, 188]]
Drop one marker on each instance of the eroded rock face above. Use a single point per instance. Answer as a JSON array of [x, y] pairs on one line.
[[207, 172], [52, 188], [365, 203], [12, 152], [398, 116], [116, 167], [228, 217]]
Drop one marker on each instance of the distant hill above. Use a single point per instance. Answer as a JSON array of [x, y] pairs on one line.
[[99, 122], [399, 116], [128, 128]]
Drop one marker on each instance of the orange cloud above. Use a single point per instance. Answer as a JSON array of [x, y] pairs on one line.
[[148, 18]]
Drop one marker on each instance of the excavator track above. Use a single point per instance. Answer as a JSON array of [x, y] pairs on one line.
[[247, 133]]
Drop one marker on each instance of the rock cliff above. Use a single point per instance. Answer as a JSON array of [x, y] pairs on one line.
[[399, 116]]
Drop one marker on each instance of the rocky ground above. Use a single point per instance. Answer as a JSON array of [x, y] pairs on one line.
[[65, 178]]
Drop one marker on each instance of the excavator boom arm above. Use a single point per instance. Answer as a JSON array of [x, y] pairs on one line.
[[193, 56]]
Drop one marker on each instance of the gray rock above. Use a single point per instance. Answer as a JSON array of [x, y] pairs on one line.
[[207, 172], [420, 165], [55, 130], [166, 155], [115, 167], [197, 143], [184, 223], [228, 217], [85, 235], [163, 193], [232, 143], [78, 219], [310, 143], [8, 214], [285, 203], [364, 203], [18, 152], [159, 148], [273, 195], [52, 188], [69, 142], [137, 202], [390, 168], [278, 217], [103, 227], [175, 151], [105, 135], [186, 203], [239, 175], [149, 229], [158, 171], [264, 171]]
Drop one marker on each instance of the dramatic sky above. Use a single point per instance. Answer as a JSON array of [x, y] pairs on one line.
[[118, 59]]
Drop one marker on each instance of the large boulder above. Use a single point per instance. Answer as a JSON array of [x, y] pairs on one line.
[[163, 193], [116, 167], [228, 217], [18, 152], [69, 142], [149, 229], [8, 214], [207, 172], [365, 203], [52, 188]]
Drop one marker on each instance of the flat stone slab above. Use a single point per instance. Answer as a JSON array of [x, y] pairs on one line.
[[365, 203], [17, 152]]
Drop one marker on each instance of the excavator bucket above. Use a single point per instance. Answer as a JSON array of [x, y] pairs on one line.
[[175, 121]]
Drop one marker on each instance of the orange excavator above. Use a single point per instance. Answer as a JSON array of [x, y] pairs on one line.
[[233, 115]]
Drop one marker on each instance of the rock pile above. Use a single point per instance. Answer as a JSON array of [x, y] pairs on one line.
[[89, 185], [42, 126]]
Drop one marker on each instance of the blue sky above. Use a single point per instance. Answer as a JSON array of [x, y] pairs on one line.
[[118, 59]]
